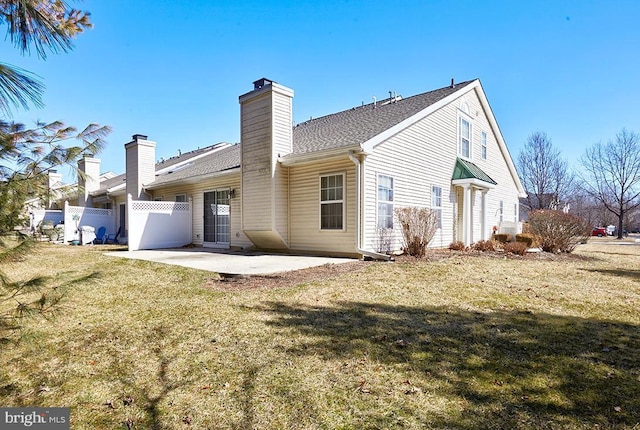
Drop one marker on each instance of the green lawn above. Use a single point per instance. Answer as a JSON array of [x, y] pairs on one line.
[[463, 342]]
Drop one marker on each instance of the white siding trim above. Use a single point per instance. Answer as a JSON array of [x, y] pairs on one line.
[[501, 143], [370, 144]]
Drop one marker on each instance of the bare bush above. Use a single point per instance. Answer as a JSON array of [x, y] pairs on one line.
[[458, 246], [557, 231], [419, 225], [484, 246], [526, 238], [518, 248], [502, 237]]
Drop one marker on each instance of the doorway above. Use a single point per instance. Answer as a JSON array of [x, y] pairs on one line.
[[217, 220]]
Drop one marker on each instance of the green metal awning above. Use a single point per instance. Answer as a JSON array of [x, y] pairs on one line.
[[467, 170]]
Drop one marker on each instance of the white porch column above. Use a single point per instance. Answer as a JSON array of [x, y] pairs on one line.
[[483, 222], [466, 214]]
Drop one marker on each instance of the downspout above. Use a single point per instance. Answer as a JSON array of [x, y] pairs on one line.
[[365, 253]]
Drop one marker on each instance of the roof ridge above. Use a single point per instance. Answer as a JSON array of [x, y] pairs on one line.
[[364, 106]]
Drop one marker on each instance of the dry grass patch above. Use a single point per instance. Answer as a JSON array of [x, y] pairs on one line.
[[454, 341]]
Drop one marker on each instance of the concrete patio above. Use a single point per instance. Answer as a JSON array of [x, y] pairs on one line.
[[227, 262]]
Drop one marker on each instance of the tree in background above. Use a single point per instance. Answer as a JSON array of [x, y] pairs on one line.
[[544, 174], [26, 155], [44, 25], [612, 174]]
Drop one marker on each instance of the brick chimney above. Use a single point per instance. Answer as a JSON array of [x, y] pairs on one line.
[[88, 179], [140, 166]]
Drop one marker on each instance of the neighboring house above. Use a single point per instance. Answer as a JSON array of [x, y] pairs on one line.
[[330, 185], [48, 207]]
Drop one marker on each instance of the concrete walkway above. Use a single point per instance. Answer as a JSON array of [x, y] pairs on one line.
[[227, 262]]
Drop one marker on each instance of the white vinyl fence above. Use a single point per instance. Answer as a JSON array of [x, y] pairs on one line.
[[77, 216], [155, 225]]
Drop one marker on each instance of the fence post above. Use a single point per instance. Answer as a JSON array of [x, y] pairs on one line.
[[129, 219]]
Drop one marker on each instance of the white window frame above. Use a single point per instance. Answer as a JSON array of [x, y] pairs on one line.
[[384, 202], [483, 143], [326, 202], [466, 118], [515, 212], [436, 202], [501, 211], [183, 197]]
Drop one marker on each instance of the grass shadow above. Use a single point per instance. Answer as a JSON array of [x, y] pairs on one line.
[[511, 367], [631, 274], [143, 400]]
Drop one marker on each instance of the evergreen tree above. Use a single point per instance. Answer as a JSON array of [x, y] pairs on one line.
[[26, 155]]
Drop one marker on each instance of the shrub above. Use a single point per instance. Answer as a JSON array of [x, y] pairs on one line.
[[419, 225], [557, 231], [484, 245], [518, 248], [525, 238], [457, 246], [502, 238]]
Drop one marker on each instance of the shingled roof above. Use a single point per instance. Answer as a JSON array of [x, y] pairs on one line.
[[357, 125], [342, 129], [218, 161]]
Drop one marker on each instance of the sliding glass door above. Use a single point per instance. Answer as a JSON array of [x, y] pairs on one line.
[[217, 222]]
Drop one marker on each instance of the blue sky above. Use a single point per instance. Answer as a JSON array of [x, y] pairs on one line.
[[173, 70]]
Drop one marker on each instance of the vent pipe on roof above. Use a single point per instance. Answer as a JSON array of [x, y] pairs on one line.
[[374, 102], [452, 84]]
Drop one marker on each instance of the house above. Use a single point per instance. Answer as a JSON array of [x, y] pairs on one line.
[[48, 207], [328, 185]]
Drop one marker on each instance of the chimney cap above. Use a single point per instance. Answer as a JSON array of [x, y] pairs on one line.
[[139, 137], [262, 82]]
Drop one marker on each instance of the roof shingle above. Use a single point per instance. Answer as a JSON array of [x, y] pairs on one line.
[[357, 125]]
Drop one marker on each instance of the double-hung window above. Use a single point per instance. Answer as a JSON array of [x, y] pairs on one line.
[[484, 145], [332, 202], [385, 201], [464, 138], [436, 203]]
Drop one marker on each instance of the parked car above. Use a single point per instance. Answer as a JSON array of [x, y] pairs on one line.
[[599, 231]]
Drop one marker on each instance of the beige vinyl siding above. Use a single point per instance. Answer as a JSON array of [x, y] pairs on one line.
[[195, 194], [304, 183], [281, 199], [140, 167], [282, 120], [424, 155], [257, 163], [282, 141]]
